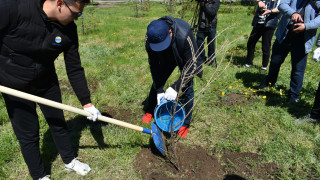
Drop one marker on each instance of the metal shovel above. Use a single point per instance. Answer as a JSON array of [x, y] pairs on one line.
[[156, 134]]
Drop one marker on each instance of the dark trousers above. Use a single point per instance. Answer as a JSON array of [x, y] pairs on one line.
[[298, 62], [24, 120], [160, 74], [315, 112], [210, 34], [266, 33]]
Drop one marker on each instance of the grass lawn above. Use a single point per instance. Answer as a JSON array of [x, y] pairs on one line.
[[230, 115]]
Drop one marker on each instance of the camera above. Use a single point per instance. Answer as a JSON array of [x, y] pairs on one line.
[[291, 26], [262, 18]]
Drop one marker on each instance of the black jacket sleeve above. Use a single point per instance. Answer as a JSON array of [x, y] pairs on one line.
[[190, 68], [76, 73], [4, 15], [212, 7]]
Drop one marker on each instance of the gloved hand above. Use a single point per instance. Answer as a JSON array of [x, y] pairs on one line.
[[91, 109], [170, 94], [316, 54], [160, 97]]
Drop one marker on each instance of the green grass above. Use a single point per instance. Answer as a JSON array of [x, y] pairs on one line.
[[116, 65]]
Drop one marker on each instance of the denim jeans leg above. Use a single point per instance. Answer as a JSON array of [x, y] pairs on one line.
[[211, 45], [279, 54], [200, 42], [298, 62], [187, 102]]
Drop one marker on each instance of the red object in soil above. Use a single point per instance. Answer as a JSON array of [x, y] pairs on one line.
[[183, 131], [147, 118]]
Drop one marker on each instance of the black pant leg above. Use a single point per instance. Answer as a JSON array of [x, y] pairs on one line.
[[24, 120], [266, 45], [58, 126], [315, 112], [255, 35]]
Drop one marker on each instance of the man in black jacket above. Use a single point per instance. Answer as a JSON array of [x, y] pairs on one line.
[[170, 43], [32, 35], [207, 28]]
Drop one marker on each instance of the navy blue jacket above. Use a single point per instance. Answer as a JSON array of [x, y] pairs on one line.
[[184, 49]]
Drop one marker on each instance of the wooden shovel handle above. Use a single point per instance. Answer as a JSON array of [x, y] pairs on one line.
[[61, 106]]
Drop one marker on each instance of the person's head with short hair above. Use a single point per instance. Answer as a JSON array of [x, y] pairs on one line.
[[159, 35], [64, 11]]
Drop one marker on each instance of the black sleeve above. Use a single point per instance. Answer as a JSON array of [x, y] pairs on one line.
[[4, 15], [76, 73], [190, 68], [212, 7]]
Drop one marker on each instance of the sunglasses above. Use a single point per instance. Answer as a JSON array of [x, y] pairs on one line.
[[75, 15]]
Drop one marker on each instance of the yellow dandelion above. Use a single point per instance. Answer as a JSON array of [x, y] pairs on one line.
[[223, 93], [220, 155], [230, 87], [301, 92], [246, 93], [264, 97]]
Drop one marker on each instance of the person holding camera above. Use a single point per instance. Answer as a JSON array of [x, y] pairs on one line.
[[296, 34], [207, 28], [169, 43], [264, 24]]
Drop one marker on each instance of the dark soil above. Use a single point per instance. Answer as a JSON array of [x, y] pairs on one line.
[[235, 99], [119, 114], [196, 163]]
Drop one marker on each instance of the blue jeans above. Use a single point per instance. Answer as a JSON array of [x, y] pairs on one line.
[[298, 62], [210, 34]]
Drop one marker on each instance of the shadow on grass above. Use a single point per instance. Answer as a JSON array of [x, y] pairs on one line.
[[273, 98], [249, 78], [76, 125]]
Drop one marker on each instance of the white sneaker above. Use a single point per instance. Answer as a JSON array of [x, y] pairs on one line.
[[47, 177], [264, 68], [78, 167], [248, 65]]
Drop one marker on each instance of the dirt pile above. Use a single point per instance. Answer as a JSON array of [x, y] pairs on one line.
[[196, 163]]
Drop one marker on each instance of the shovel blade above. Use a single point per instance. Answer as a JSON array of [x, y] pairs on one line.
[[157, 139]]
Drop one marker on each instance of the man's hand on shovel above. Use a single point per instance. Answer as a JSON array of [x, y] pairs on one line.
[[92, 110]]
